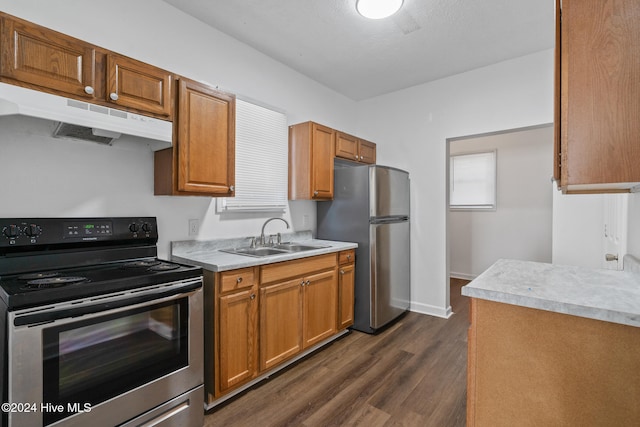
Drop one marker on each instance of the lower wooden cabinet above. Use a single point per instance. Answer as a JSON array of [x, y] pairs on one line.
[[298, 303], [258, 318], [280, 322], [233, 346], [346, 293], [541, 368]]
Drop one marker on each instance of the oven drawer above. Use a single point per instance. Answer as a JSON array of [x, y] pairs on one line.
[[183, 411]]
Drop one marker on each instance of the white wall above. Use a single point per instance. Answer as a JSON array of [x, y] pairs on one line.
[[412, 127], [633, 236], [520, 227], [43, 176]]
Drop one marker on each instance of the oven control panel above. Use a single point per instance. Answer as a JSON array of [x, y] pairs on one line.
[[19, 232]]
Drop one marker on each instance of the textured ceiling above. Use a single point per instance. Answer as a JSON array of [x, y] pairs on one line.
[[426, 40]]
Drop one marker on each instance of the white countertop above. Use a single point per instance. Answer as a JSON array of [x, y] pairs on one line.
[[207, 254], [609, 295]]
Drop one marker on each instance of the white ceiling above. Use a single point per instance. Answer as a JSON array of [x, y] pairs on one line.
[[426, 40]]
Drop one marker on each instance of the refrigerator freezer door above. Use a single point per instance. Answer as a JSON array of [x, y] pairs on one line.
[[390, 272], [388, 192]]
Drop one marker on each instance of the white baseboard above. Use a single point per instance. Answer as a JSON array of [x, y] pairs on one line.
[[463, 276], [431, 310]]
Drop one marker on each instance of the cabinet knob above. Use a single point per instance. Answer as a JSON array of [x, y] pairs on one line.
[[252, 297], [349, 257], [341, 271], [114, 96], [315, 193], [232, 189], [356, 156], [239, 280], [88, 90], [361, 157], [307, 283]]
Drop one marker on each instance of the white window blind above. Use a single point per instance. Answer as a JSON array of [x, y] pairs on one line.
[[472, 182], [261, 160]]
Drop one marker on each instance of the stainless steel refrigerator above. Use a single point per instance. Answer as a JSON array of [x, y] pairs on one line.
[[371, 207]]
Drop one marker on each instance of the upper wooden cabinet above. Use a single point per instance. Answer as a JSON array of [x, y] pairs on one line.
[[137, 85], [311, 153], [47, 59], [355, 149], [43, 59], [202, 160], [597, 103]]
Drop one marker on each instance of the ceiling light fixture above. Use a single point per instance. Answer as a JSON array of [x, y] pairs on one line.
[[378, 9]]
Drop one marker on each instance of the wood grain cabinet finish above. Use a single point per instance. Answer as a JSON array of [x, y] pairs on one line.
[[137, 85], [298, 303], [45, 59], [541, 368], [355, 149], [311, 153], [346, 292], [236, 331], [202, 160], [597, 101]]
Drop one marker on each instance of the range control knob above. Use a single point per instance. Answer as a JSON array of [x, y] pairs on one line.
[[11, 231], [146, 227], [32, 230], [134, 228]]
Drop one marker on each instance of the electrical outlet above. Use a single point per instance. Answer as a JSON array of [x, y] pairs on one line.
[[305, 220], [194, 227]]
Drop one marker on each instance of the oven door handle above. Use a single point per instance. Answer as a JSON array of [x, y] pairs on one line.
[[37, 318]]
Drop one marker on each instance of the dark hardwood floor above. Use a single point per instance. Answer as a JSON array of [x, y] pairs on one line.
[[411, 374]]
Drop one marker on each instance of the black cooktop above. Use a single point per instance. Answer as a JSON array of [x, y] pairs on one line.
[[44, 287]]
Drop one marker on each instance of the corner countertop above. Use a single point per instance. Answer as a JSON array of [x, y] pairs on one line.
[[608, 295], [207, 254]]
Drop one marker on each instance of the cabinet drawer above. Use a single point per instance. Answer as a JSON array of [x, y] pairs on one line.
[[236, 279], [300, 267], [346, 257]]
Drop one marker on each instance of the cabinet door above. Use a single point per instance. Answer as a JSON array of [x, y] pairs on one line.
[[599, 95], [237, 338], [347, 146], [135, 84], [280, 322], [346, 281], [38, 56], [367, 152], [319, 307], [323, 141], [205, 140]]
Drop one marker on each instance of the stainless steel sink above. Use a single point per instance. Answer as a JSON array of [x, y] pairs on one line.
[[255, 252], [262, 251], [296, 247]]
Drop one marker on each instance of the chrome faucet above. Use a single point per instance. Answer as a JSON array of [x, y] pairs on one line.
[[262, 240]]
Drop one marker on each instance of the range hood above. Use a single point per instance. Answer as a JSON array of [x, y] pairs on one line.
[[82, 120]]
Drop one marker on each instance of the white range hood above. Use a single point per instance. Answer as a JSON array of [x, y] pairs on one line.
[[82, 120]]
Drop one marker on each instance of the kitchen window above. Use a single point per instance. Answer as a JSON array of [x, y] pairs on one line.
[[261, 160], [472, 181]]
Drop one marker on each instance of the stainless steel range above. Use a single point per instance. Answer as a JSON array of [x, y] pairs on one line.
[[94, 328]]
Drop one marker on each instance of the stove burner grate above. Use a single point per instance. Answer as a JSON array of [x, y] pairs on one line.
[[164, 267], [141, 264], [34, 276], [54, 282]]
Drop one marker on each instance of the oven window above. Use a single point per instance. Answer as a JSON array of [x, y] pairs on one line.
[[94, 360]]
